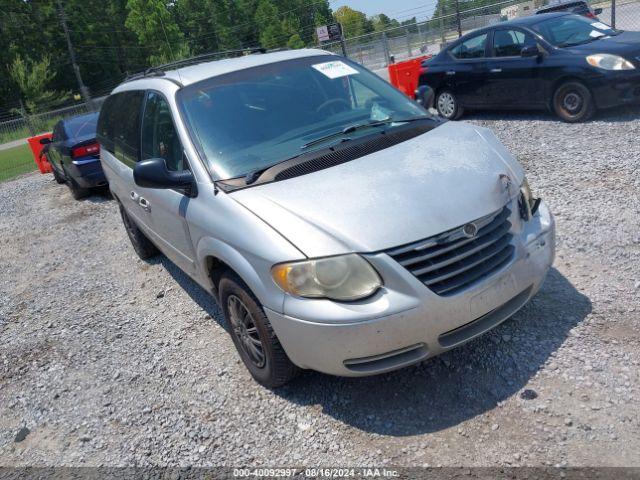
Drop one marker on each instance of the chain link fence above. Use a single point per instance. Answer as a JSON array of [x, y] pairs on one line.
[[377, 50]]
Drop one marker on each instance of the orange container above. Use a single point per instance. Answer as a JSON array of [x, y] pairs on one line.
[[405, 75], [36, 148]]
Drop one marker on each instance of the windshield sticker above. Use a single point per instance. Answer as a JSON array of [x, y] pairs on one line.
[[335, 69], [596, 34], [600, 25]]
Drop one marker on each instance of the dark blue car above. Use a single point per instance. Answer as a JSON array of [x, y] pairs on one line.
[[74, 154], [567, 63]]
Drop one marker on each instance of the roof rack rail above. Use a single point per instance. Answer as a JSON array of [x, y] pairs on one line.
[[159, 71]]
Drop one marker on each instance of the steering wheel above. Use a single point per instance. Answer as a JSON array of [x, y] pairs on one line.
[[333, 101]]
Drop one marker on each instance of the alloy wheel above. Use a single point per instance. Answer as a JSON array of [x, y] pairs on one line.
[[245, 330], [446, 104], [572, 102]]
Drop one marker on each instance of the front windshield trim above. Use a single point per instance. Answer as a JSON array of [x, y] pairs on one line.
[[217, 170]]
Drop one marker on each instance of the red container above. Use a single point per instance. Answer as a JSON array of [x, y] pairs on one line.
[[36, 148], [405, 75]]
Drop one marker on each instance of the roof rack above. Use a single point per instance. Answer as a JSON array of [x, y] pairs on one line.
[[159, 71]]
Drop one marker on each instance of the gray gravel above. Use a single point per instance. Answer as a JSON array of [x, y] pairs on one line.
[[108, 360]]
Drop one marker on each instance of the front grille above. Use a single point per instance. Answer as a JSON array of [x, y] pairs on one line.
[[450, 262]]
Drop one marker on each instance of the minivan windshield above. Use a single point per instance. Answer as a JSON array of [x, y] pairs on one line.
[[253, 118], [571, 30]]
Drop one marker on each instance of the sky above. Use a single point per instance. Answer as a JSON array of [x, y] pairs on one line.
[[399, 9]]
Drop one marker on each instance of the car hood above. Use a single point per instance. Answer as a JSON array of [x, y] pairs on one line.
[[442, 179], [626, 44]]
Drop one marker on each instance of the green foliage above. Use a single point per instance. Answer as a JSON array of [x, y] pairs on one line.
[[154, 25], [354, 23], [295, 42], [32, 77]]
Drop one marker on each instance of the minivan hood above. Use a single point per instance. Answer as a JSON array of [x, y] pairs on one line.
[[444, 178]]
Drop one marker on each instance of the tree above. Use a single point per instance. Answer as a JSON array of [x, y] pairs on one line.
[[154, 26], [269, 25], [354, 23], [295, 42], [32, 77]]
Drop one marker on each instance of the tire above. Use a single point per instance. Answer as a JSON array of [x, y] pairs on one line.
[[253, 335], [76, 190], [447, 105], [141, 244], [57, 177], [573, 102]]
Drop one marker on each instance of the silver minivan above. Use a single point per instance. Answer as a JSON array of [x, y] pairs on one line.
[[339, 225]]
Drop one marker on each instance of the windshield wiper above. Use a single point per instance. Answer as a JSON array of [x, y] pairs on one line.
[[359, 126]]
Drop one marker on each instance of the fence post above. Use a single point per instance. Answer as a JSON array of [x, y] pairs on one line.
[[27, 119], [613, 13], [458, 18], [408, 33], [385, 48]]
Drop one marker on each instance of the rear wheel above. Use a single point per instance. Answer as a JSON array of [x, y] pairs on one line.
[[573, 102], [448, 106], [57, 177], [76, 190], [141, 244], [253, 335]]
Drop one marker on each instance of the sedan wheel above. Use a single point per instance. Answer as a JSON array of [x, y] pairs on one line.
[[447, 105], [572, 102]]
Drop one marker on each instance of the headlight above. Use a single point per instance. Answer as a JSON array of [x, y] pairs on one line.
[[345, 277], [528, 204], [606, 61]]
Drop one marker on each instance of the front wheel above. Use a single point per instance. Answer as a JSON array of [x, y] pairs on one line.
[[573, 102], [448, 106], [253, 336]]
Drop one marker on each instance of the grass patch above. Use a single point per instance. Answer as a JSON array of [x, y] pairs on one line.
[[16, 161]]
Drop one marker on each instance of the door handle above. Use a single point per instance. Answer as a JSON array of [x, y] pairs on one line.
[[451, 72], [144, 204], [134, 196], [496, 70]]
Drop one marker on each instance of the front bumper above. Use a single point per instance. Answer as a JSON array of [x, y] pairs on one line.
[[405, 322], [614, 89]]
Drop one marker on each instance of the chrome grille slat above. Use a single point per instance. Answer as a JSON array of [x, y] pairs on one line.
[[450, 262], [463, 253], [489, 229], [434, 241]]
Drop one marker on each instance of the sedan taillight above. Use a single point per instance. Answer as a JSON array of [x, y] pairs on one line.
[[91, 149]]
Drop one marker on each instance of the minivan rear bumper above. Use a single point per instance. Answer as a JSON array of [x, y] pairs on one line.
[[420, 324]]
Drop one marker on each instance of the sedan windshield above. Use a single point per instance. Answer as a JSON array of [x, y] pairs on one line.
[[250, 119], [570, 30]]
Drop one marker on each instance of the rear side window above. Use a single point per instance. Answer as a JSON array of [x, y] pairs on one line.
[[472, 48], [119, 125]]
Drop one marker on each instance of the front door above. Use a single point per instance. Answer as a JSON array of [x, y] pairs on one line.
[[167, 208]]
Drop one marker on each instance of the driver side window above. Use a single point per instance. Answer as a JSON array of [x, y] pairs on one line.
[[159, 136]]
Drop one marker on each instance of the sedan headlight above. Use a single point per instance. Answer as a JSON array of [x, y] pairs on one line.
[[607, 61], [345, 277]]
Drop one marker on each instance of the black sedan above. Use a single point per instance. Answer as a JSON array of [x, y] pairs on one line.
[[567, 63], [74, 154]]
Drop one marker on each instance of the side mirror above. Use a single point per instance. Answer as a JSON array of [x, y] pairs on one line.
[[530, 51], [153, 173], [424, 96], [45, 141], [597, 11]]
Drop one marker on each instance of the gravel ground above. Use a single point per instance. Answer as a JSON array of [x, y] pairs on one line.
[[108, 360]]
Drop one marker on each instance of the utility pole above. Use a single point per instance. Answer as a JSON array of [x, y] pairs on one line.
[[84, 91], [613, 13], [458, 18]]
